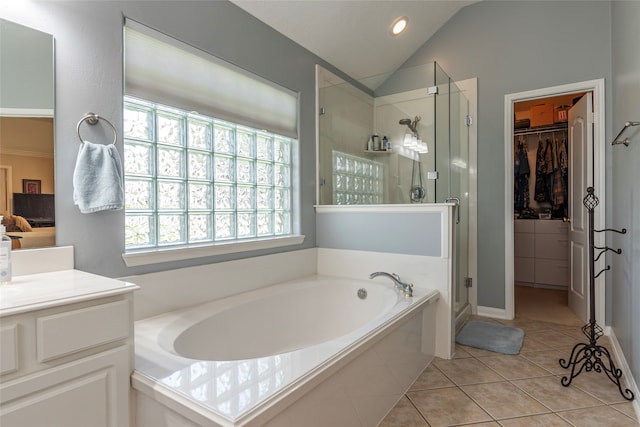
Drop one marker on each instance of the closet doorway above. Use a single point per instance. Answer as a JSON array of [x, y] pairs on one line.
[[555, 148]]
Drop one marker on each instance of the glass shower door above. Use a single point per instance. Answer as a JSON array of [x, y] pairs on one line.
[[452, 157]]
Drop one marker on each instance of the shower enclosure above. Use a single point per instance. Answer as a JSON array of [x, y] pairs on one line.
[[452, 152], [427, 160]]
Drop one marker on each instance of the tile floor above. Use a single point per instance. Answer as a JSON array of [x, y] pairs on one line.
[[481, 388]]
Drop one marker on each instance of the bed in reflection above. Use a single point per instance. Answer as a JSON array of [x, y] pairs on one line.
[[36, 238], [24, 235]]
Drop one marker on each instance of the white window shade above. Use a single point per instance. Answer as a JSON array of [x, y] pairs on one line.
[[162, 69]]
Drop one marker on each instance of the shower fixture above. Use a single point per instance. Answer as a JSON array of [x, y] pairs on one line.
[[412, 125]]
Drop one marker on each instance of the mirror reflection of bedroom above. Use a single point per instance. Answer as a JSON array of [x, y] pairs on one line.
[[27, 135], [27, 181]]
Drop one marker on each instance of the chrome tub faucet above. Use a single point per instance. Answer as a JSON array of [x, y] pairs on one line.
[[404, 288]]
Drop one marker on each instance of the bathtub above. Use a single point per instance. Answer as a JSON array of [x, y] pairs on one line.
[[316, 351]]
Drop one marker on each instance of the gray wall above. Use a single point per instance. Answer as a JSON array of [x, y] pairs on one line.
[[400, 233], [88, 38], [623, 281], [510, 47]]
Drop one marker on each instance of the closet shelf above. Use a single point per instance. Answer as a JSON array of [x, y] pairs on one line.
[[542, 129]]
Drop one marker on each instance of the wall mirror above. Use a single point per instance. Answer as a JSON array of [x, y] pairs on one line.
[[27, 135]]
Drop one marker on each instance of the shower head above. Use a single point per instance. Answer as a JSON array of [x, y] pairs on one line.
[[411, 124]]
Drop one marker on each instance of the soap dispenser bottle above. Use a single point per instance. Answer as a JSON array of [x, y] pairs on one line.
[[5, 255]]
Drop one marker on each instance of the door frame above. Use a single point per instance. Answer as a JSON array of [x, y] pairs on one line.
[[597, 87]]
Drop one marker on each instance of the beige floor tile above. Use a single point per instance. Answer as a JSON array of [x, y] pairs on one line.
[[481, 390], [404, 414], [600, 386], [431, 378], [447, 407], [547, 305], [467, 371], [574, 332], [547, 420], [477, 352], [598, 417], [626, 408], [529, 326], [514, 367], [460, 352], [555, 339], [529, 344], [492, 398], [489, 424], [549, 392], [549, 360]]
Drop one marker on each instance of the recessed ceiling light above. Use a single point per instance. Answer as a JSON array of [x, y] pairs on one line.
[[399, 25]]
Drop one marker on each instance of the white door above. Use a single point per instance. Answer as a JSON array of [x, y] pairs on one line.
[[581, 177]]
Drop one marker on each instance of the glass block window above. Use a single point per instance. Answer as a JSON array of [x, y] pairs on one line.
[[356, 180], [193, 179]]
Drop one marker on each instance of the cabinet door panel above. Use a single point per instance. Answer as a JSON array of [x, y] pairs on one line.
[[552, 246], [93, 391], [552, 272]]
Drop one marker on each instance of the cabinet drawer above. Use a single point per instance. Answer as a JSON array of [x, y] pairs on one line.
[[524, 270], [551, 226], [523, 225], [523, 245], [552, 246], [72, 331], [552, 272], [8, 349]]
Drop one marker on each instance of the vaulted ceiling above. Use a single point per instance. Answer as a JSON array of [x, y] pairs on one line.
[[354, 35]]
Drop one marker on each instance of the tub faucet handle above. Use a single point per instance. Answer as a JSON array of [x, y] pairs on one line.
[[405, 288]]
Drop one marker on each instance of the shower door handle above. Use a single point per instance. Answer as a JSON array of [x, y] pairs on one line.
[[457, 202]]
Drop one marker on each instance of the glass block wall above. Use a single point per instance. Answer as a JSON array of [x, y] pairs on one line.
[[356, 180], [193, 179]]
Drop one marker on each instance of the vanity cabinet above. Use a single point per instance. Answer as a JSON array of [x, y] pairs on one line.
[[541, 253], [67, 362]]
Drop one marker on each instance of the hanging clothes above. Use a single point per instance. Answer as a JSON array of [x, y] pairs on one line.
[[522, 171], [541, 193], [557, 188], [564, 166]]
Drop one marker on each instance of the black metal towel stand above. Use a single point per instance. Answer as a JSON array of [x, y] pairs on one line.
[[591, 356]]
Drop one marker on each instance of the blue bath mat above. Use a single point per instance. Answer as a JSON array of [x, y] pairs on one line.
[[492, 337]]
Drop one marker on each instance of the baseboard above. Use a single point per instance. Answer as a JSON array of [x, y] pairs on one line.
[[624, 367], [496, 313]]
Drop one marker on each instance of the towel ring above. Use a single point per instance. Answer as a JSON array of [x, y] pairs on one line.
[[92, 119]]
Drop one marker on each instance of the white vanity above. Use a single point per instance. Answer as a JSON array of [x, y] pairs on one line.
[[66, 350]]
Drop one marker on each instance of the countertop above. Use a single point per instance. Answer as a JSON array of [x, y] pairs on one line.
[[38, 291]]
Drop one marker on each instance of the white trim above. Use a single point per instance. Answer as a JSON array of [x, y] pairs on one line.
[[158, 255], [26, 112], [618, 354], [597, 87], [395, 208], [495, 313]]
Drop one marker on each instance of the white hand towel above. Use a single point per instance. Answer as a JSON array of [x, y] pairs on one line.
[[97, 178]]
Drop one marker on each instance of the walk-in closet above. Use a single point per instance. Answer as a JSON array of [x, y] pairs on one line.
[[542, 181]]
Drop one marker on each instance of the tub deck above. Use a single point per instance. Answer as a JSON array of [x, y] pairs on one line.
[[231, 393]]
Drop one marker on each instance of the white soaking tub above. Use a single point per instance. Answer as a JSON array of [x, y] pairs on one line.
[[302, 353]]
